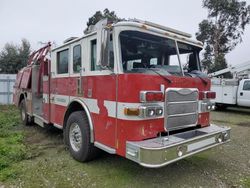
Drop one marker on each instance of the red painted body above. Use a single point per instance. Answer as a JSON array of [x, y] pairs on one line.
[[129, 87], [111, 131], [116, 88]]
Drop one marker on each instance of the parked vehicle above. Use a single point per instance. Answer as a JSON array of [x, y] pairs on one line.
[[125, 88], [232, 92]]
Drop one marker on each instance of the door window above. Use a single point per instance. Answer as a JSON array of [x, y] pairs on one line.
[[63, 62], [246, 85], [77, 58], [93, 55]]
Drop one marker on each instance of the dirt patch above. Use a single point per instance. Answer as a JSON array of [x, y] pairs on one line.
[[243, 124]]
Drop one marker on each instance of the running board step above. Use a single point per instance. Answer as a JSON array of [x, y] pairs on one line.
[[39, 121]]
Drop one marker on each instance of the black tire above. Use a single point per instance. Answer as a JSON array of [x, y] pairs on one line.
[[23, 112], [85, 150]]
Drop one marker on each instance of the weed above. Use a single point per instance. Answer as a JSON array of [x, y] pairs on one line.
[[246, 182], [12, 149]]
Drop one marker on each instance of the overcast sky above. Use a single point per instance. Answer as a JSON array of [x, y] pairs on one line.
[[56, 20]]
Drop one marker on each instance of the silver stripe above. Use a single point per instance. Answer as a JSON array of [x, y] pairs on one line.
[[92, 105], [105, 148], [58, 126]]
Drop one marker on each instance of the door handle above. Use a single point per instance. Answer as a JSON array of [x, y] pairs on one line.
[[241, 93]]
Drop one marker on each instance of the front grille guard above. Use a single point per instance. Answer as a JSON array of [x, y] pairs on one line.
[[181, 108]]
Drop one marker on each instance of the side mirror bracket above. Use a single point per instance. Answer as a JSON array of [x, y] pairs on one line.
[[103, 38]]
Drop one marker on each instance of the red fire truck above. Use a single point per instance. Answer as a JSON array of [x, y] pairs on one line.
[[132, 88]]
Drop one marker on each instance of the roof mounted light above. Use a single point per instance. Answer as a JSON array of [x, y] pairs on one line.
[[162, 27]]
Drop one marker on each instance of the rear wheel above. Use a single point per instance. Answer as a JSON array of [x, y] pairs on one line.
[[77, 137], [26, 119]]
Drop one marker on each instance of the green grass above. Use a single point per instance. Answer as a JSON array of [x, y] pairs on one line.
[[12, 148], [36, 157], [246, 182]]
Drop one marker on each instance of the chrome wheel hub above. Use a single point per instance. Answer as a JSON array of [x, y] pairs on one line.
[[75, 137]]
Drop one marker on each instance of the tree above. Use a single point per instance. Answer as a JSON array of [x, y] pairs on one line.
[[222, 30], [14, 57], [111, 15]]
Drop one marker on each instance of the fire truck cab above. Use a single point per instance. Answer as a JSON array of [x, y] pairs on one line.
[[132, 88]]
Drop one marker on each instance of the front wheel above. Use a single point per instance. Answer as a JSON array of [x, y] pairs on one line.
[[77, 137]]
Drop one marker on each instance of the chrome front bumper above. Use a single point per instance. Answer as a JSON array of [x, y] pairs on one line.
[[161, 151]]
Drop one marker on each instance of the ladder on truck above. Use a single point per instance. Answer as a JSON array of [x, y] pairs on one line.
[[39, 57], [235, 70]]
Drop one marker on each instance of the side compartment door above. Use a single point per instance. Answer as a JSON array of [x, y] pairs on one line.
[[244, 93], [59, 88]]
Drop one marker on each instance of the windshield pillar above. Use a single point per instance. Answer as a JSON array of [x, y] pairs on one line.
[[179, 59]]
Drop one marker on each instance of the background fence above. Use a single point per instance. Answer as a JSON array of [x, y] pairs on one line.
[[7, 82]]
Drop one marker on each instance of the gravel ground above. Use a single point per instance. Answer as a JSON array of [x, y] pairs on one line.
[[50, 164]]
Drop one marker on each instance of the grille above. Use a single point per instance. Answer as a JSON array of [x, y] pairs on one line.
[[181, 108]]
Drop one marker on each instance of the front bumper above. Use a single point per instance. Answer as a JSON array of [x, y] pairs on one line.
[[161, 151]]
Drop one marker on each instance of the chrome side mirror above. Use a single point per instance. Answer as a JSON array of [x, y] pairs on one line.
[[103, 38]]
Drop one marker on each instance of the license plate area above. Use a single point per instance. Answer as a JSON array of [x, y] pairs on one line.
[[201, 144], [190, 134]]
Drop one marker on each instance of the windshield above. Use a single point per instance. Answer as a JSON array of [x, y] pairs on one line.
[[142, 53]]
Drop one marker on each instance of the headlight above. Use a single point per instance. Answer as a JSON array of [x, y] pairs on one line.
[[207, 106], [159, 111], [150, 111]]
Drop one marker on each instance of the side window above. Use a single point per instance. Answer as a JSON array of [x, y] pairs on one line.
[[77, 58], [93, 55], [246, 85], [111, 52], [63, 62], [153, 61]]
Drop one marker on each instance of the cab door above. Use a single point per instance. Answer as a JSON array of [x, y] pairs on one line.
[[59, 84], [244, 93], [76, 70], [100, 93]]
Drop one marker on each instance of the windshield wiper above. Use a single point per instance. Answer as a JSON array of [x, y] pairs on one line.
[[197, 73], [165, 78], [203, 80]]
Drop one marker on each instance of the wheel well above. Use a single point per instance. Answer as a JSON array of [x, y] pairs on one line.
[[20, 99], [79, 105], [74, 106]]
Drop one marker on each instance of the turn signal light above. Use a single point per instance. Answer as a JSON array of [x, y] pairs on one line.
[[211, 95], [131, 111], [207, 95], [154, 96], [151, 96]]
